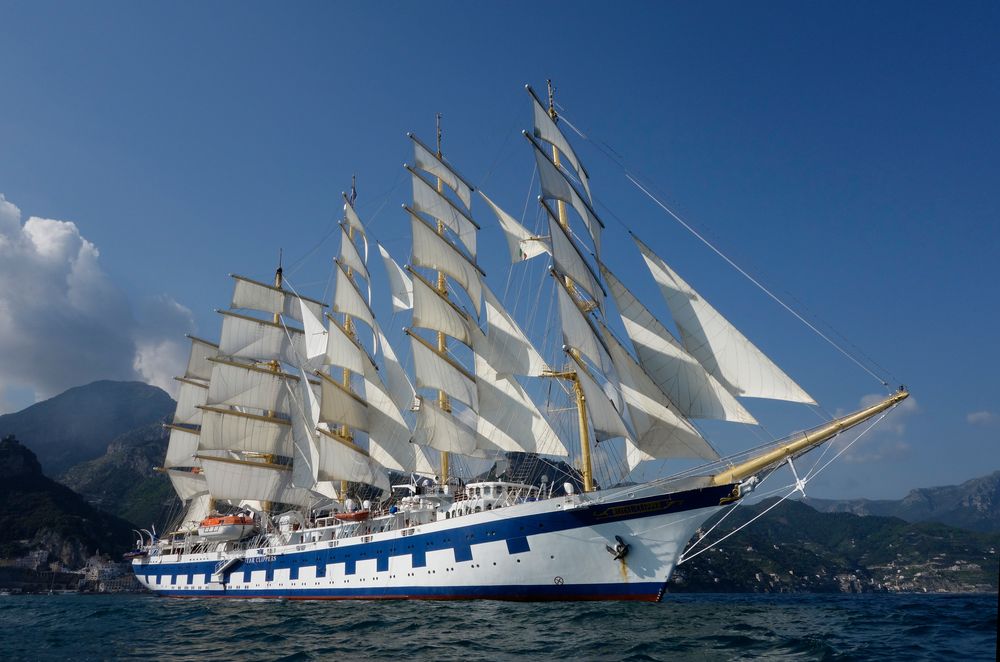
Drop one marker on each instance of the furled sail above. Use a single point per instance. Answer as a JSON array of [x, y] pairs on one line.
[[432, 251], [660, 432], [546, 129], [427, 161], [718, 345], [400, 284], [253, 295], [695, 392], [428, 200], [523, 245], [555, 186], [435, 311]]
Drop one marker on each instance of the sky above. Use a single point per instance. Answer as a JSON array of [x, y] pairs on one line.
[[844, 154]]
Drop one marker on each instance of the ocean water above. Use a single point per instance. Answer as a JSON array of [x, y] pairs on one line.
[[683, 627]]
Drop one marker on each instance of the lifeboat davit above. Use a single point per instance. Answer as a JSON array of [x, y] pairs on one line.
[[226, 527], [357, 516]]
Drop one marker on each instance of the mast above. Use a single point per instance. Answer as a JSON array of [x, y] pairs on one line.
[[442, 288], [345, 430], [586, 467], [274, 365]]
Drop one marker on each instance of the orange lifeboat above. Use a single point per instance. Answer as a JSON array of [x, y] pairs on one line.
[[357, 516], [226, 527]]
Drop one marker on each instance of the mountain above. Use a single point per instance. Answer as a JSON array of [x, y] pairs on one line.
[[37, 513], [123, 480], [77, 425], [796, 548], [973, 505]]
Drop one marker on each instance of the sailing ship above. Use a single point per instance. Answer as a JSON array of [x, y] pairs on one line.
[[311, 465]]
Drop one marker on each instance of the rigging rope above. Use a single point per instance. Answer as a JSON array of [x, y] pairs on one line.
[[613, 155]]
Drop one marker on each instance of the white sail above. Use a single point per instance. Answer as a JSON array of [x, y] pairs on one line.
[[262, 340], [427, 200], [245, 385], [522, 244], [340, 406], [718, 345], [438, 372], [578, 331], [340, 459], [305, 419], [660, 432], [388, 435], [198, 509], [432, 310], [446, 431], [353, 222], [254, 295], [635, 455], [351, 258], [190, 396], [433, 252], [399, 283], [231, 430], [238, 480], [181, 448], [427, 161], [397, 384], [570, 262], [198, 366], [314, 334], [508, 417], [606, 420], [187, 484], [695, 392], [555, 186], [546, 129], [349, 300], [505, 347], [342, 350]]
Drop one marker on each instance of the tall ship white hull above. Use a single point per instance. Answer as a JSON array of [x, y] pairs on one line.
[[562, 548]]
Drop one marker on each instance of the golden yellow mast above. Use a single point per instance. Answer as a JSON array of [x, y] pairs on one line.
[[808, 440], [442, 288], [273, 364], [586, 468], [345, 431]]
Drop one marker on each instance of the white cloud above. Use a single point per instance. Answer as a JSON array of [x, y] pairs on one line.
[[980, 418], [64, 322]]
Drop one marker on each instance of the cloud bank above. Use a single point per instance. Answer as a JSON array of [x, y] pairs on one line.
[[980, 418], [64, 322]]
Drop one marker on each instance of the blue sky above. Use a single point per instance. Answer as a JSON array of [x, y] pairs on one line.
[[844, 153]]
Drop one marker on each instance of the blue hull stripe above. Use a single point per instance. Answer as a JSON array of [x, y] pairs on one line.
[[514, 532]]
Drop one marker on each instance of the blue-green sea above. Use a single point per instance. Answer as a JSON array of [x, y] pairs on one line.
[[683, 627]]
